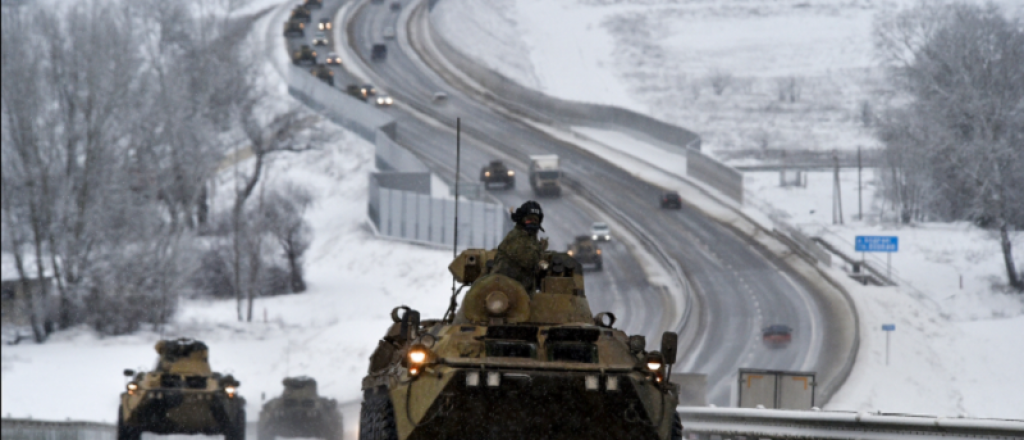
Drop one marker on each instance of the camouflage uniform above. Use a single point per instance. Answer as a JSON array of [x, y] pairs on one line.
[[518, 255]]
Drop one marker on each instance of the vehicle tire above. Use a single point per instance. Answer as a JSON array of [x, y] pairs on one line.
[[236, 430], [125, 432], [677, 427], [377, 418]]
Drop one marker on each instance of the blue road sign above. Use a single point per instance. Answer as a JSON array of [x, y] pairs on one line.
[[889, 327], [867, 243]]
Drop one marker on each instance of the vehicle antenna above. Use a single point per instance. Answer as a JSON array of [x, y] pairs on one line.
[[450, 314]]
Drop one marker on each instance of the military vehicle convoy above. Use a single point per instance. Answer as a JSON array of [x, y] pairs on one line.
[[304, 55], [301, 14], [300, 412], [584, 249], [512, 364], [181, 395], [497, 173]]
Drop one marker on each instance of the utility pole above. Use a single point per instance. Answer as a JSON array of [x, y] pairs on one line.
[[860, 200], [837, 199]]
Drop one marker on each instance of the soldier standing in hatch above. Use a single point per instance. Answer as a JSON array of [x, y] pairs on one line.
[[520, 251]]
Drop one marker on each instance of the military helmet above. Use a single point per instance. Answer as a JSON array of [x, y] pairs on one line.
[[529, 208]]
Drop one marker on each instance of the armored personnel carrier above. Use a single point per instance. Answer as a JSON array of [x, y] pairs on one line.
[[181, 395], [497, 173], [300, 412], [301, 13], [294, 28], [324, 73], [512, 364], [584, 249], [304, 55]]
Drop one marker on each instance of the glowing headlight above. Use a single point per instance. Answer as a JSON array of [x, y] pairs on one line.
[[487, 174], [230, 390], [417, 356], [598, 252], [569, 252], [654, 366], [314, 53], [594, 237], [511, 173], [654, 361], [132, 386]]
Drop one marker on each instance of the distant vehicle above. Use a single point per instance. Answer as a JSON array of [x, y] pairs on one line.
[[545, 175], [599, 231], [300, 412], [396, 6], [586, 252], [368, 90], [497, 173], [300, 13], [777, 335], [389, 33], [324, 73], [671, 200], [440, 97], [355, 91], [320, 38], [305, 55], [325, 24], [384, 101], [313, 4], [379, 52], [333, 58], [294, 29]]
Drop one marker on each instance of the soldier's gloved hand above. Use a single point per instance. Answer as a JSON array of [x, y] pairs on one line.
[[544, 243]]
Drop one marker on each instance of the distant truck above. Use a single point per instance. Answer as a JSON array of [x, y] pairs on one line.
[[545, 176], [496, 173], [774, 389], [584, 249]]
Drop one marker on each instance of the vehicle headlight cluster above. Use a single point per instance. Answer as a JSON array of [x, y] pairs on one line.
[[511, 173], [417, 358], [132, 387], [230, 390]]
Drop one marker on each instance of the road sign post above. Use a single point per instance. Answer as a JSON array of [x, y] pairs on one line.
[[870, 243], [888, 329]]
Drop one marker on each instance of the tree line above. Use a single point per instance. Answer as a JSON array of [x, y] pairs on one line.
[[117, 119], [953, 133]]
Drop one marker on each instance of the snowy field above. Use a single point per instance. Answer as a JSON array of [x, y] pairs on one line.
[[955, 348], [329, 332]]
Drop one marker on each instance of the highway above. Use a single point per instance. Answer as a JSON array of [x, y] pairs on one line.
[[741, 287]]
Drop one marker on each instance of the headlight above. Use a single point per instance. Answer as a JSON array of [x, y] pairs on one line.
[[594, 237], [314, 53], [598, 252], [511, 173], [487, 174], [569, 252], [132, 386], [654, 361], [230, 390], [417, 355]]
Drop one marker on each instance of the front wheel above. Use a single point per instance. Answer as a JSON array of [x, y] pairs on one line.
[[236, 430], [125, 432], [677, 427], [377, 418]]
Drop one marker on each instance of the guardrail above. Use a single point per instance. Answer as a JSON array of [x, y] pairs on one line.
[[28, 429], [734, 423]]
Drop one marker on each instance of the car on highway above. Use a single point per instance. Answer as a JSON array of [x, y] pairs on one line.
[[324, 24], [332, 59], [384, 101], [599, 231], [320, 38], [586, 252], [396, 6], [496, 173], [440, 97], [379, 52], [368, 90], [388, 34], [777, 335], [671, 200], [294, 29], [324, 73]]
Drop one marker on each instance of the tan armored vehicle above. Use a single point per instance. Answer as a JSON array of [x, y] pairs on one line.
[[294, 28], [512, 364], [304, 54], [586, 252], [181, 395], [300, 412], [301, 13]]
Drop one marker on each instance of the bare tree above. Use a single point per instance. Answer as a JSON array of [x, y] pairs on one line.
[[720, 80], [788, 88], [961, 69], [284, 210]]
